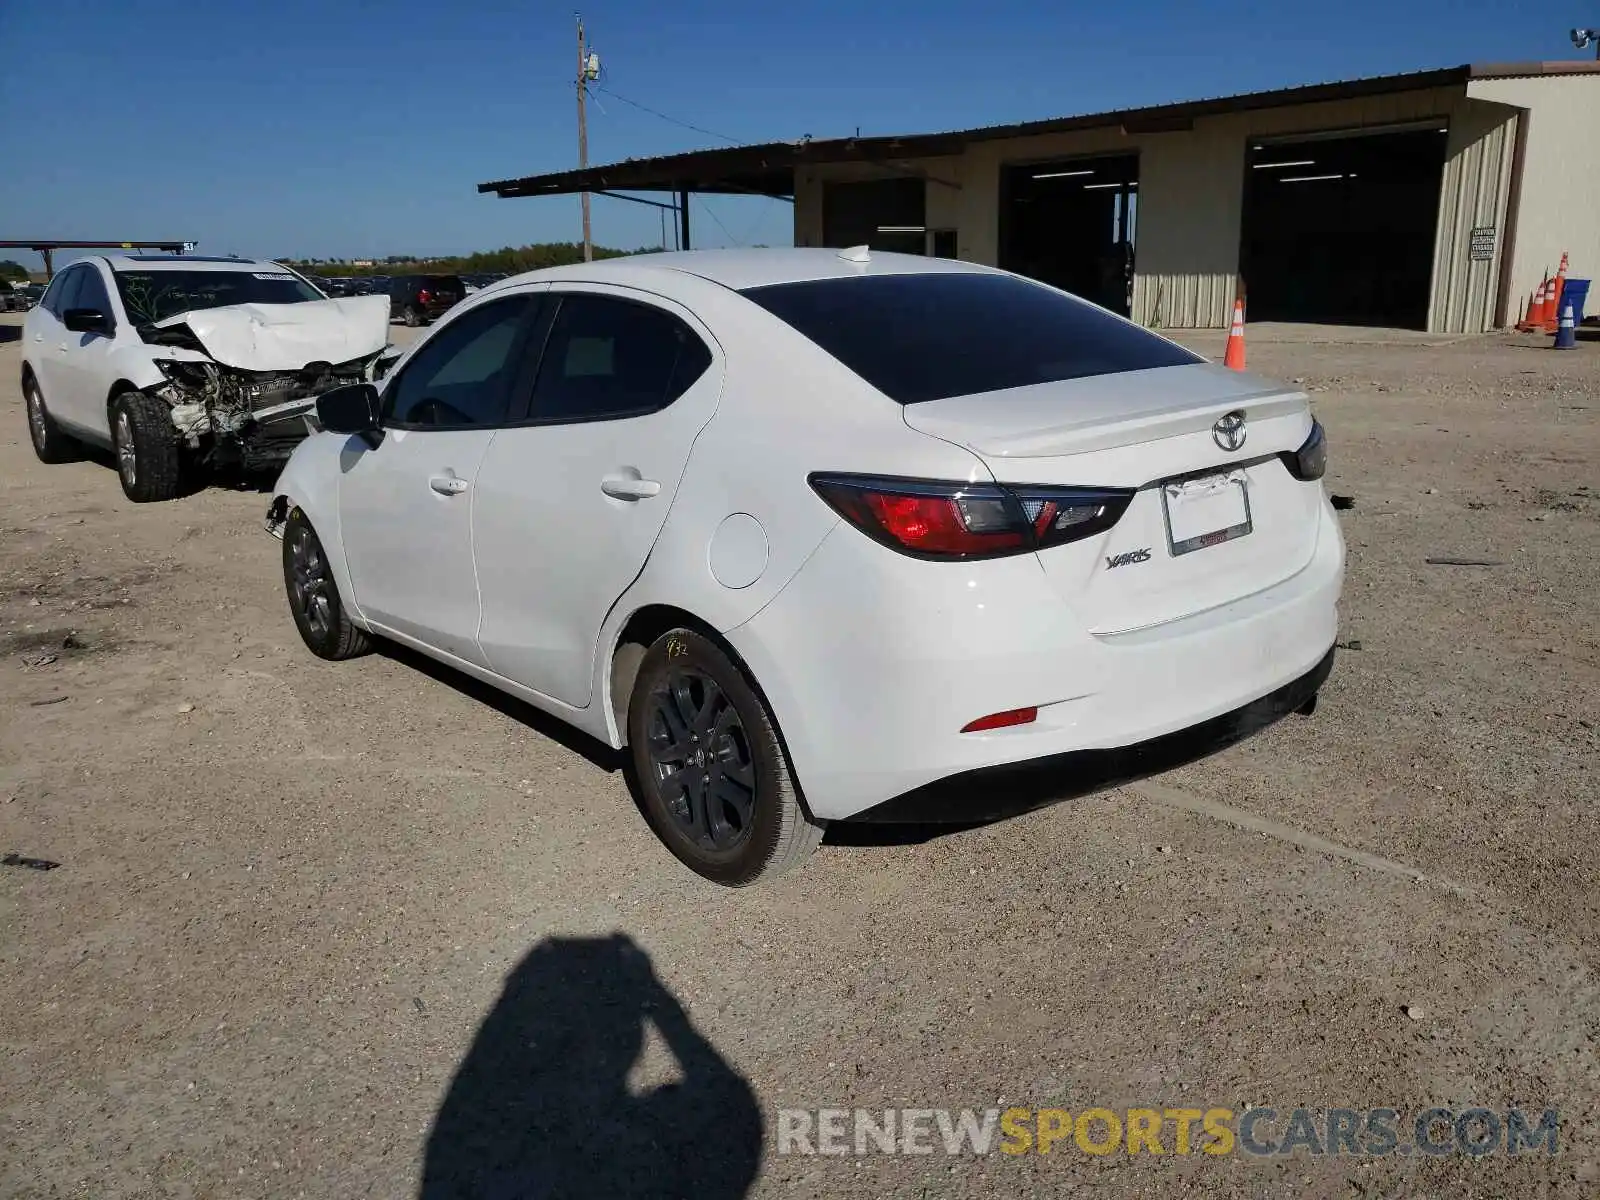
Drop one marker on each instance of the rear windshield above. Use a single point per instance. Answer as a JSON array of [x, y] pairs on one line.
[[926, 337], [442, 283], [151, 296]]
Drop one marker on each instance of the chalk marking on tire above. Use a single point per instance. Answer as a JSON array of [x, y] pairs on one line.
[[1171, 797]]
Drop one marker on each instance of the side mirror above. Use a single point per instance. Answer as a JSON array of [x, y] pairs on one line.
[[354, 408], [85, 320]]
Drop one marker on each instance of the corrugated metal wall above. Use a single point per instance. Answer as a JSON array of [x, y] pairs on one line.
[[1560, 192], [1191, 194], [1191, 208], [1473, 196], [1186, 257]]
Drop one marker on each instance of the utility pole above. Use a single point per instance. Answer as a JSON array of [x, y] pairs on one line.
[[586, 72]]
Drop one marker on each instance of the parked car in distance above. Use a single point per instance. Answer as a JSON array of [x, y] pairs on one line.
[[419, 299], [182, 362], [12, 298], [820, 537], [31, 293]]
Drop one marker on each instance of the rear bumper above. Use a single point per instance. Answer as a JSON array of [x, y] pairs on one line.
[[873, 663], [991, 793]]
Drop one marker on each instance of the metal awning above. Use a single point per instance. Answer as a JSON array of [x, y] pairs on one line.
[[769, 169], [47, 248]]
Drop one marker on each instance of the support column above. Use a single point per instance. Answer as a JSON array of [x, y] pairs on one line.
[[683, 219]]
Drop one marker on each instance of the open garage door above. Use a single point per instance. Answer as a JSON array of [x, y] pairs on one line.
[[885, 214], [1340, 229], [1071, 224]]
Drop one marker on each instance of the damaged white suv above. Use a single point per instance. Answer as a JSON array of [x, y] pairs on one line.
[[178, 363]]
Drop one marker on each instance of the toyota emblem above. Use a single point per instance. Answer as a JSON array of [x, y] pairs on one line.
[[1229, 431]]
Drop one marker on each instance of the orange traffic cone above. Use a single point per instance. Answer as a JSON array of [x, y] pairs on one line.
[[1541, 305], [1234, 357], [1552, 318], [1527, 315]]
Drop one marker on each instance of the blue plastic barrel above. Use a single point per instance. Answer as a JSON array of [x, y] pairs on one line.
[[1574, 292]]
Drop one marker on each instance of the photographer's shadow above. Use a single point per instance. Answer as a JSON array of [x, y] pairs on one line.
[[541, 1105]]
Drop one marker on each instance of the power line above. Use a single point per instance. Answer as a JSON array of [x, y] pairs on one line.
[[761, 217], [710, 213], [663, 116]]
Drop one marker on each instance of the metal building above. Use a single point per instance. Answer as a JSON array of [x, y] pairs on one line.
[[1434, 200]]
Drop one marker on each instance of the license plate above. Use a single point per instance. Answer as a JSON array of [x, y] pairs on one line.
[[1206, 511]]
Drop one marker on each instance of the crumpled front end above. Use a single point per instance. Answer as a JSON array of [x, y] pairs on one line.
[[253, 418], [242, 380]]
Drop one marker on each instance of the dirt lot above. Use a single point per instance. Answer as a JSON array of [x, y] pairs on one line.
[[353, 930]]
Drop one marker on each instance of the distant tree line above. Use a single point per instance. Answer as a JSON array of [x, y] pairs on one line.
[[10, 269], [511, 260]]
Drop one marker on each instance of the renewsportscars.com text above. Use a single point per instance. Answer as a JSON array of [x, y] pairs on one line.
[[1257, 1132]]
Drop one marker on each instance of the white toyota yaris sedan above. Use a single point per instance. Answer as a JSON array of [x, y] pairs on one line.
[[826, 536]]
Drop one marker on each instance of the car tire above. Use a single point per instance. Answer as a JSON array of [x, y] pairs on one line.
[[319, 613], [411, 317], [149, 459], [713, 777], [49, 443]]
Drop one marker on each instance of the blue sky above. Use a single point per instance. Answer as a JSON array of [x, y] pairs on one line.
[[323, 127]]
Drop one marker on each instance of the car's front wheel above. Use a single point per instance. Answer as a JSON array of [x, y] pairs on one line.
[[49, 443], [319, 613], [149, 462], [715, 780]]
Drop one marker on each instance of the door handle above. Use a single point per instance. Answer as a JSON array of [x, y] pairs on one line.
[[629, 487], [448, 485]]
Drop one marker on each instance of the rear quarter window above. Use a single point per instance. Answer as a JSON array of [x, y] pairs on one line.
[[919, 337]]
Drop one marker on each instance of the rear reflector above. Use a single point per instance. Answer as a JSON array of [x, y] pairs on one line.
[[1002, 720]]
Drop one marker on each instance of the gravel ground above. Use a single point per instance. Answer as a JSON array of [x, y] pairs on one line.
[[361, 929]]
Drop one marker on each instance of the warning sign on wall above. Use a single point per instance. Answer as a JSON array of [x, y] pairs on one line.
[[1482, 244]]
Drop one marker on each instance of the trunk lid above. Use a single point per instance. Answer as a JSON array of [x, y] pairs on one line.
[[1153, 431]]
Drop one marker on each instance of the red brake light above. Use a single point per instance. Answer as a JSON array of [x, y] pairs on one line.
[[1002, 720], [423, 295], [935, 519], [939, 524]]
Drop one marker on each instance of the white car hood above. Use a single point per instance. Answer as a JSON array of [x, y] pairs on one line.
[[285, 337]]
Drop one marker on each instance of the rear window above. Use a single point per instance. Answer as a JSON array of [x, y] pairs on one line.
[[442, 283], [925, 337]]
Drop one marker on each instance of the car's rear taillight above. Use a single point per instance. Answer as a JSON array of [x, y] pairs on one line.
[[936, 519], [423, 295], [1311, 460]]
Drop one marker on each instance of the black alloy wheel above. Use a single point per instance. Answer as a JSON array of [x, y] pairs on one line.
[[713, 777], [701, 758], [319, 615]]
